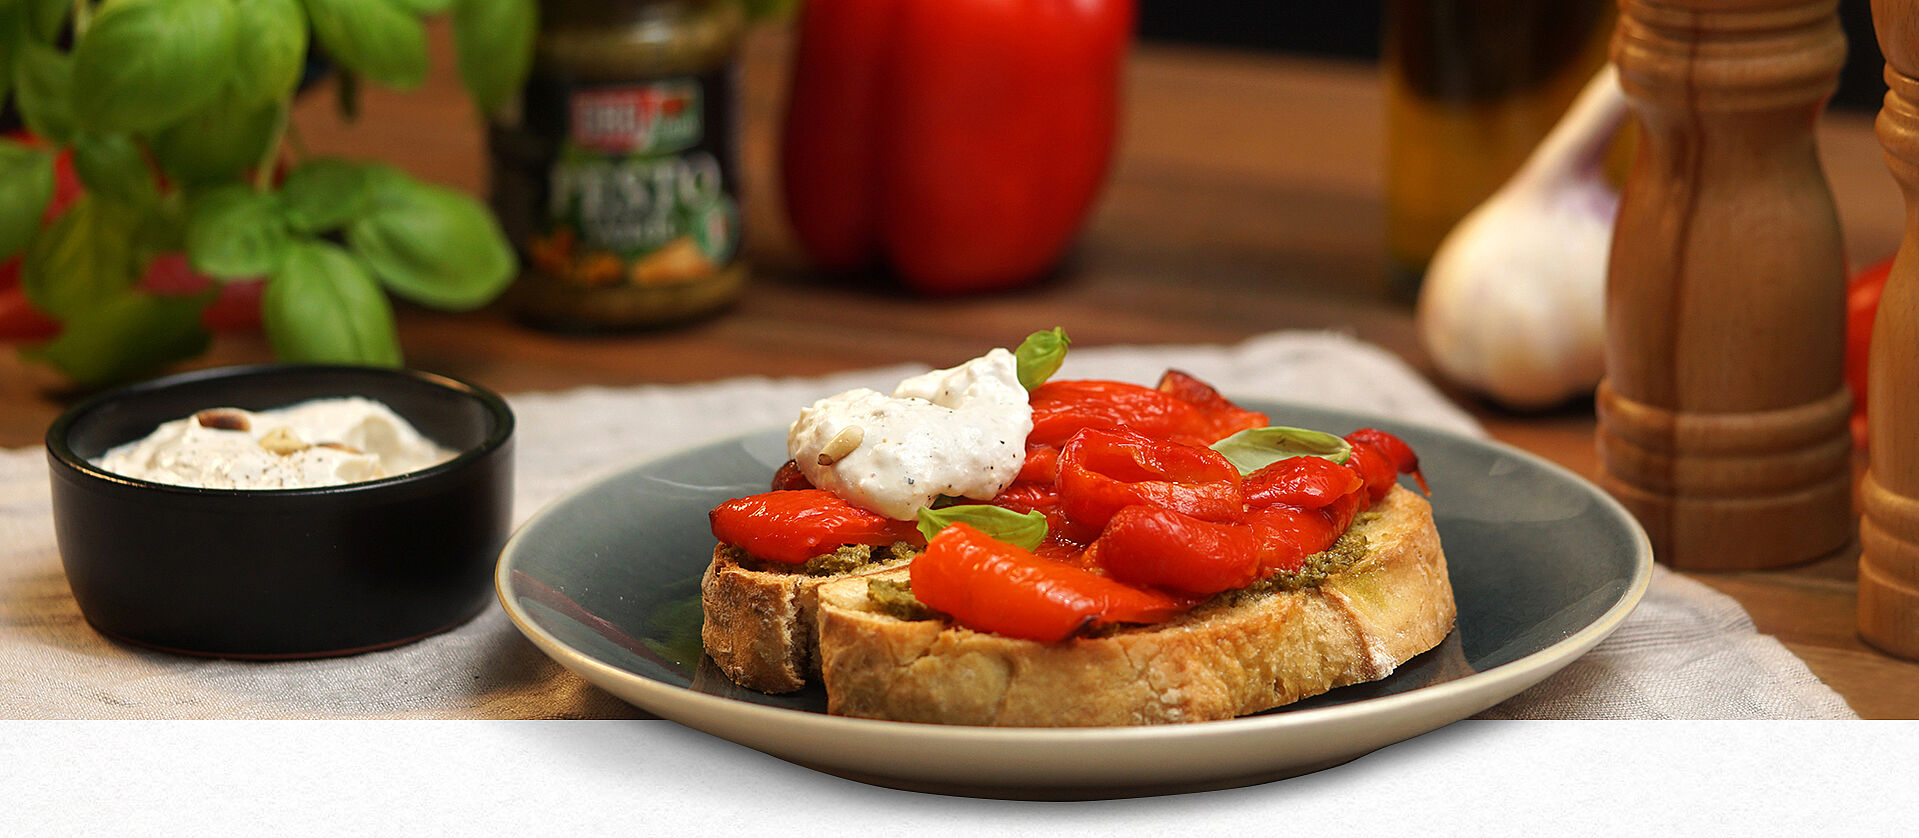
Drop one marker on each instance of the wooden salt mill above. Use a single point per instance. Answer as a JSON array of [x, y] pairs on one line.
[[1889, 497], [1722, 415]]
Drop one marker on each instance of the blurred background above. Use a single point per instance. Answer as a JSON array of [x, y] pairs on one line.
[[1351, 30]]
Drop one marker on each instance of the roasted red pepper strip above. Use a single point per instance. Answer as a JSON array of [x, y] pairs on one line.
[[1288, 535], [1101, 472], [1043, 497], [790, 477], [1375, 467], [1041, 464], [1148, 546], [1225, 417], [1154, 547], [1064, 408], [1305, 482], [1402, 456], [1295, 508], [960, 142], [796, 525], [1028, 497], [990, 585]]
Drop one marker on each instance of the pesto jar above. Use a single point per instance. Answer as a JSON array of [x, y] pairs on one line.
[[617, 178]]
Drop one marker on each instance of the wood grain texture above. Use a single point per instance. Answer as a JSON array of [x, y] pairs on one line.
[[1722, 417], [1889, 496], [1246, 198]]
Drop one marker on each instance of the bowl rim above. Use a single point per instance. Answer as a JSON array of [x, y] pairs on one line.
[[496, 438]]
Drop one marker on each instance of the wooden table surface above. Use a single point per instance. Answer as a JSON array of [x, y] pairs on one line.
[[1246, 199]]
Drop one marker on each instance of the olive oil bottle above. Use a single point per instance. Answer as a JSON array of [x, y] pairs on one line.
[[1471, 87]]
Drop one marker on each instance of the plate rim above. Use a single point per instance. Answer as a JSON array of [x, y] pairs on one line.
[[1524, 670]]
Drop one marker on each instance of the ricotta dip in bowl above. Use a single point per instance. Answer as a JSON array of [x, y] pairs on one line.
[[320, 442], [282, 511]]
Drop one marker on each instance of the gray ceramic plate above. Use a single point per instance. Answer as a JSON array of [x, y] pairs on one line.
[[1544, 566]]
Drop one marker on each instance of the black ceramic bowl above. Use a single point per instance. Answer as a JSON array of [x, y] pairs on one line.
[[283, 573]]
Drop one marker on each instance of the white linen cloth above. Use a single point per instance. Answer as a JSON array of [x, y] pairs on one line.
[[1687, 652]]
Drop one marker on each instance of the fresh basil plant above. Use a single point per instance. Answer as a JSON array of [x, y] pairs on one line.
[[173, 115]]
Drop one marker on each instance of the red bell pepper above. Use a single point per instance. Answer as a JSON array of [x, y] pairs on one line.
[[20, 322], [959, 142], [1862, 305]]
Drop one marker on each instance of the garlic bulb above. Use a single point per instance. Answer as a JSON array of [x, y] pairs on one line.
[[1513, 304]]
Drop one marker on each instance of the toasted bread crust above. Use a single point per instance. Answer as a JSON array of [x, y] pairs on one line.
[[1237, 654], [759, 624]]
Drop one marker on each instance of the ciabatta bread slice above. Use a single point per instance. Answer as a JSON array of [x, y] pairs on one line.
[[1380, 602], [759, 623]]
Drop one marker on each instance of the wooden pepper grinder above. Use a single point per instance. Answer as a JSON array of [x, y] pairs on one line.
[[1722, 415], [1889, 497]]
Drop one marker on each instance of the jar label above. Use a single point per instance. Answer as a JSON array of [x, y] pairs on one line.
[[640, 190], [647, 119]]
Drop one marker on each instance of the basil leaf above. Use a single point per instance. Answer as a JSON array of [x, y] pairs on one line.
[[10, 43], [323, 194], [375, 38], [424, 7], [113, 166], [160, 228], [346, 95], [85, 256], [493, 40], [236, 233], [768, 9], [270, 50], [45, 19], [1256, 448], [432, 245], [43, 90], [26, 185], [1026, 531], [143, 64], [219, 142], [126, 335], [1040, 355], [321, 305]]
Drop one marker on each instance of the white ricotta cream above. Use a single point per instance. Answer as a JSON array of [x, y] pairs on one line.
[[959, 432], [323, 442]]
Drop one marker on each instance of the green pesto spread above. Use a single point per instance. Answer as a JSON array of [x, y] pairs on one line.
[[1315, 569], [894, 598], [846, 559]]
